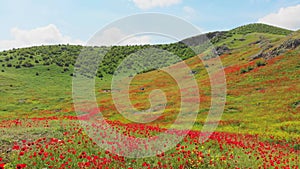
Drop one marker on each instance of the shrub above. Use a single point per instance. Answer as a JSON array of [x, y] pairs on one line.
[[297, 147], [27, 64], [245, 70], [250, 68], [260, 63], [296, 104], [66, 69]]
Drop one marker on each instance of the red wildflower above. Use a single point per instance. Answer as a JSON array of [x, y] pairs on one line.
[[16, 147], [22, 153], [19, 166], [62, 157]]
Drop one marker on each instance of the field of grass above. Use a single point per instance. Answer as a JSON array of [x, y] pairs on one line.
[[259, 128]]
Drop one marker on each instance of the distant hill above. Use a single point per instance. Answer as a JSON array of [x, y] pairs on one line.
[[260, 28], [65, 56], [215, 37]]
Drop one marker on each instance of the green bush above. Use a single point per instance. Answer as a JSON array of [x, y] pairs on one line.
[[243, 70], [260, 63], [246, 70]]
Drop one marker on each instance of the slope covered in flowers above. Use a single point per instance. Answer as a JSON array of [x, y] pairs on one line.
[[259, 127]]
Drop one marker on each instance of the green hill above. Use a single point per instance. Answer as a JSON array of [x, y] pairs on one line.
[[260, 28], [65, 56], [261, 64], [259, 127]]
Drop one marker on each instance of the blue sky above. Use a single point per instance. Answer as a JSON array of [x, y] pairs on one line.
[[76, 21]]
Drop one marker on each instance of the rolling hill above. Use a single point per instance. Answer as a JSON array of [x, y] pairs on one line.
[[255, 58], [261, 64]]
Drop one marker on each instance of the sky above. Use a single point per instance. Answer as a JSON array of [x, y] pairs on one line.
[[34, 22]]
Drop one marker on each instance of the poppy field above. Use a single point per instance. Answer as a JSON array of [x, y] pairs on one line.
[[72, 148], [259, 127]]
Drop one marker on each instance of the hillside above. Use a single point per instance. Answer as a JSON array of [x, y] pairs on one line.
[[39, 78], [259, 127], [65, 56], [260, 28], [215, 37]]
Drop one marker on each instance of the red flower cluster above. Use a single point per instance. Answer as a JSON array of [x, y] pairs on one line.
[[222, 150]]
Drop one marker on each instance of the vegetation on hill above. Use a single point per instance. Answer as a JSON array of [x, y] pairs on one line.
[[65, 56], [259, 127], [215, 37], [260, 28]]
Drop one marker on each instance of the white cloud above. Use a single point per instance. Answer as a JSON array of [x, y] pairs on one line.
[[189, 12], [286, 17], [147, 4], [39, 36], [115, 36]]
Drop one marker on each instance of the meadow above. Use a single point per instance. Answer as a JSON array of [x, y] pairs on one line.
[[259, 128]]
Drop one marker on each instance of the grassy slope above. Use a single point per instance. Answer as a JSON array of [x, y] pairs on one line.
[[260, 101]]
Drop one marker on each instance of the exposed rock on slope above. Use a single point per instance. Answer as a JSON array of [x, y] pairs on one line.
[[220, 50], [203, 38], [269, 52]]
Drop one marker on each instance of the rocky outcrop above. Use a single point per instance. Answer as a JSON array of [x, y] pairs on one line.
[[291, 44], [269, 52], [203, 38], [220, 50]]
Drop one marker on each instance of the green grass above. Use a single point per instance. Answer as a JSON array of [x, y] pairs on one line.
[[263, 97], [259, 93], [23, 92]]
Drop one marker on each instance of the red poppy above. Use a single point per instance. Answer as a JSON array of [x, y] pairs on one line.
[[19, 166]]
